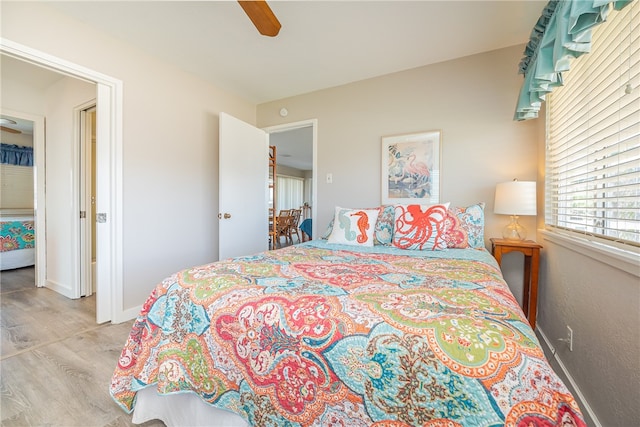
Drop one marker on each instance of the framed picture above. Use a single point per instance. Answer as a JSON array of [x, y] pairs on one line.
[[411, 168]]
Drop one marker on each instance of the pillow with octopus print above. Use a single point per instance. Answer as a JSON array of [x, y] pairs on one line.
[[353, 226], [465, 227], [420, 227]]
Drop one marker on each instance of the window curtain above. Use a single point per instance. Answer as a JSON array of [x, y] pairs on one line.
[[18, 155], [290, 192], [563, 32]]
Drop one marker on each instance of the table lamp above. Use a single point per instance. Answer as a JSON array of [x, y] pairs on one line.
[[515, 198]]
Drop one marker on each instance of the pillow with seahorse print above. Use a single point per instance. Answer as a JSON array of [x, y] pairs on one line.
[[354, 226], [383, 231], [421, 227]]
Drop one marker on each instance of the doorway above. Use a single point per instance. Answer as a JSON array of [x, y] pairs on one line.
[[297, 151], [30, 183], [109, 233]]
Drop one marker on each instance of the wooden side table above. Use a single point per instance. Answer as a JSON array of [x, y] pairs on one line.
[[531, 252]]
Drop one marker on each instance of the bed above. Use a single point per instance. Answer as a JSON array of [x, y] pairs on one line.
[[332, 332], [17, 237]]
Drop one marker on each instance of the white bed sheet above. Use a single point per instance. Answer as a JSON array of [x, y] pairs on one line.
[[180, 410], [17, 259]]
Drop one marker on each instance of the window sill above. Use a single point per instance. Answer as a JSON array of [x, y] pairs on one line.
[[618, 258]]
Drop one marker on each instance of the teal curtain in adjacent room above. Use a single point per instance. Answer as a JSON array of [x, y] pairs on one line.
[[563, 32], [19, 155]]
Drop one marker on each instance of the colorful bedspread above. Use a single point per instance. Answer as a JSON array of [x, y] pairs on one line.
[[320, 334], [16, 235]]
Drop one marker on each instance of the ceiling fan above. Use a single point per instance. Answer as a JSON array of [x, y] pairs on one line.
[[4, 121], [262, 17]]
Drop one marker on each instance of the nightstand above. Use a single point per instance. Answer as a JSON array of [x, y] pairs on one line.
[[531, 252]]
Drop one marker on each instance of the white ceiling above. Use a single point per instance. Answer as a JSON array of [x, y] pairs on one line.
[[16, 123], [321, 44], [294, 148]]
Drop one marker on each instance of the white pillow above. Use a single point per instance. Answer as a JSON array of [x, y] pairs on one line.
[[354, 226]]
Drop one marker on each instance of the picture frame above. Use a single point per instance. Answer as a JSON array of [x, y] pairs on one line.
[[410, 168]]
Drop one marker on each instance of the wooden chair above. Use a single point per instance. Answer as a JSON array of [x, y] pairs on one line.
[[283, 225], [296, 214], [272, 229]]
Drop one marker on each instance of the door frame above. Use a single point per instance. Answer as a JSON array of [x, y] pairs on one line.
[[109, 103], [314, 173], [39, 209]]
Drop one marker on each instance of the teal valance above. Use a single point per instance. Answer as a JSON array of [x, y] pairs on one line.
[[563, 32], [19, 155]]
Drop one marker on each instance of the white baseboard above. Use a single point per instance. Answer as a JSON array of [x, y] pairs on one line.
[[579, 395], [59, 288], [126, 315]]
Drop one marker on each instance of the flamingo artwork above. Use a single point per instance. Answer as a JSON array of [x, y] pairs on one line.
[[418, 169], [409, 176], [411, 168]]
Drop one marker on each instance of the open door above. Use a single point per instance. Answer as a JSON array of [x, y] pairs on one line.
[[87, 194], [243, 216]]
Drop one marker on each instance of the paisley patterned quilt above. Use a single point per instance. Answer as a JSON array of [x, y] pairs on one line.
[[319, 334], [16, 234]]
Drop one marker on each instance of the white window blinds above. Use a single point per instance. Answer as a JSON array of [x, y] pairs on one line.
[[593, 137], [16, 187]]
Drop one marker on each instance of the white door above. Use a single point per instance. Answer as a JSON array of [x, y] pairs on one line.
[[107, 213], [243, 199], [87, 201]]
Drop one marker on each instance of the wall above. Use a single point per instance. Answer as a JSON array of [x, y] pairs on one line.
[[601, 303], [471, 100], [22, 98], [18, 96], [170, 144], [289, 171], [60, 100]]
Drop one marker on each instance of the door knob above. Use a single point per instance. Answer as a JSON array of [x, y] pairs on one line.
[[226, 216]]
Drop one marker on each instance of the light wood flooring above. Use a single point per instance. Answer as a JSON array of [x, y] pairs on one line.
[[55, 361]]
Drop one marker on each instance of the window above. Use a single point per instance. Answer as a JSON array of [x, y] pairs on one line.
[[290, 192], [593, 137]]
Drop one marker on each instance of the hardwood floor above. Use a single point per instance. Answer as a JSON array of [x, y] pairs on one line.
[[56, 362]]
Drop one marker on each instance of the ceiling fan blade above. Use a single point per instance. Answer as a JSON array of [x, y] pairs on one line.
[[262, 17], [6, 129]]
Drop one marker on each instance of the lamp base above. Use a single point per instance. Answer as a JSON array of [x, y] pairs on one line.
[[514, 231]]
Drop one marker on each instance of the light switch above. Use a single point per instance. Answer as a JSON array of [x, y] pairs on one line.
[[329, 178]]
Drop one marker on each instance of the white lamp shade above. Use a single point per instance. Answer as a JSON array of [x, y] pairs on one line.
[[515, 198]]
